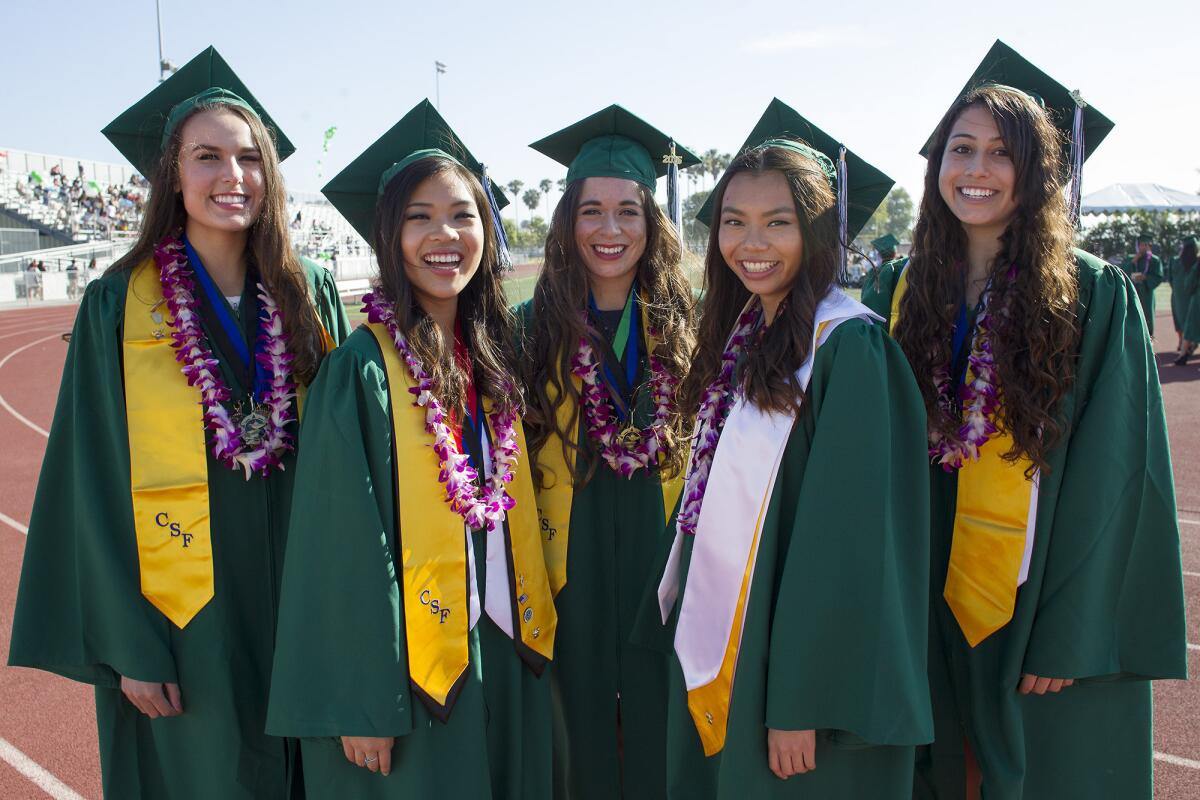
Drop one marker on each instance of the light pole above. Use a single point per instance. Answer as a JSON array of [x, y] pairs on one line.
[[165, 68], [439, 69]]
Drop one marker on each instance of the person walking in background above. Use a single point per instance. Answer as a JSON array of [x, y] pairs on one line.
[[1146, 271], [1185, 299]]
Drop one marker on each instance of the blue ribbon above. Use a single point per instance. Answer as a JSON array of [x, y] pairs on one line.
[[233, 331], [632, 353]]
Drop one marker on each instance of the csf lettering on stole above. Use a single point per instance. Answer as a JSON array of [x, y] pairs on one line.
[[435, 606], [163, 520], [548, 530]]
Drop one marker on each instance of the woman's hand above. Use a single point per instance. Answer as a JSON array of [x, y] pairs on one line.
[[791, 752], [372, 752], [1032, 684], [153, 699]]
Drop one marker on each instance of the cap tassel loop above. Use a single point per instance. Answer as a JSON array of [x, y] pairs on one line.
[[843, 211], [674, 201], [504, 257], [1077, 155]]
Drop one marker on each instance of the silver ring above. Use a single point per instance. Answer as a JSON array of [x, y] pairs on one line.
[[369, 760]]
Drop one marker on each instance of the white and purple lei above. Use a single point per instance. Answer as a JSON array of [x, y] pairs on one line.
[[647, 446], [203, 371], [456, 471], [710, 420], [979, 396]]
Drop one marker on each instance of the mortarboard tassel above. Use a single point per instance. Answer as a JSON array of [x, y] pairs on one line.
[[843, 211], [504, 258], [1077, 155], [674, 201]]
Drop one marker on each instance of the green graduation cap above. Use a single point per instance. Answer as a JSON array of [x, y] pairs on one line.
[[865, 189], [142, 130], [421, 133], [1005, 66], [614, 143], [885, 244]]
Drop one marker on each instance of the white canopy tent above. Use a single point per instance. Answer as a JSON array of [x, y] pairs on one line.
[[1138, 197]]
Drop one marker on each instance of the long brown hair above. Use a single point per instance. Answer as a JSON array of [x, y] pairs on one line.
[[268, 246], [486, 319], [767, 375], [559, 300], [1035, 339]]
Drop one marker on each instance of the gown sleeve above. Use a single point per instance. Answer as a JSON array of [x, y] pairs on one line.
[[341, 662], [327, 301], [80, 611], [849, 635], [1112, 597]]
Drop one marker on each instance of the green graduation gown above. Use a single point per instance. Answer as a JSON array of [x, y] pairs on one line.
[[341, 663], [1153, 271], [605, 748], [835, 631], [1103, 603], [1185, 299], [80, 612]]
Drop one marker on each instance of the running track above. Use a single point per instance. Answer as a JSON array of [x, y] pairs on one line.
[[47, 725]]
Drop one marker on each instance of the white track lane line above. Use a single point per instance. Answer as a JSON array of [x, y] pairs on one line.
[[1176, 760], [1191, 574], [14, 524], [1189, 521], [4, 403], [36, 773], [30, 330]]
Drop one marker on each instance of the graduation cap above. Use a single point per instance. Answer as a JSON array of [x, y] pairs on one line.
[[421, 133], [613, 143], [143, 130], [860, 187], [1082, 124], [885, 244]]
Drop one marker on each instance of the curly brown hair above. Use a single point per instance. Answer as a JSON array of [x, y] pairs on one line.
[[269, 246], [559, 321], [486, 319], [767, 374], [1036, 337]]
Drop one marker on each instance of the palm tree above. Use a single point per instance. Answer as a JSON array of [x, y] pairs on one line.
[[514, 188], [546, 185], [531, 198], [708, 161]]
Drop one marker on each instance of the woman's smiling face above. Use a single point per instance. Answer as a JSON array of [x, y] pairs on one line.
[[977, 179]]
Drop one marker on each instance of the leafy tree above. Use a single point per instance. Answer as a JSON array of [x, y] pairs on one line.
[[711, 161], [899, 206], [562, 184], [695, 233], [1116, 237]]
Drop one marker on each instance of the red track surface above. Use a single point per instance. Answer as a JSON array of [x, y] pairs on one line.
[[51, 720]]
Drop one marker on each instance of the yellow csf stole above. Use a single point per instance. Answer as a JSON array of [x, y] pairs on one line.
[[168, 461], [712, 612], [558, 471], [436, 574], [994, 521]]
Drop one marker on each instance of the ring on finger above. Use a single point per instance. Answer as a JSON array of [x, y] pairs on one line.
[[369, 760]]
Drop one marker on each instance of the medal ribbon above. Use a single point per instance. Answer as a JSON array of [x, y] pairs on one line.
[[994, 524], [624, 351], [554, 501], [260, 384], [167, 459], [433, 550]]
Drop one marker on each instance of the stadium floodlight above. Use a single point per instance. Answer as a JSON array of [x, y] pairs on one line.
[[439, 69]]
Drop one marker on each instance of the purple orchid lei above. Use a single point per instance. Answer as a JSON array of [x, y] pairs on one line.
[[710, 420], [979, 396], [646, 448], [202, 369], [456, 471]]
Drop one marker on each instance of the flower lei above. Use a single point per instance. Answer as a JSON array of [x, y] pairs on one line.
[[627, 452], [202, 369], [979, 397], [456, 471], [710, 420]]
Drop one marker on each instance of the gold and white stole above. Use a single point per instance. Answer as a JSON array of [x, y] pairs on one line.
[[740, 482], [995, 520]]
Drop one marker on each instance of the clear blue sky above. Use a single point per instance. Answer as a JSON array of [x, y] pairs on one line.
[[877, 75]]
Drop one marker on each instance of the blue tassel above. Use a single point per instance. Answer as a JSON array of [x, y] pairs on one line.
[[843, 212], [1077, 150], [504, 258], [674, 201]]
